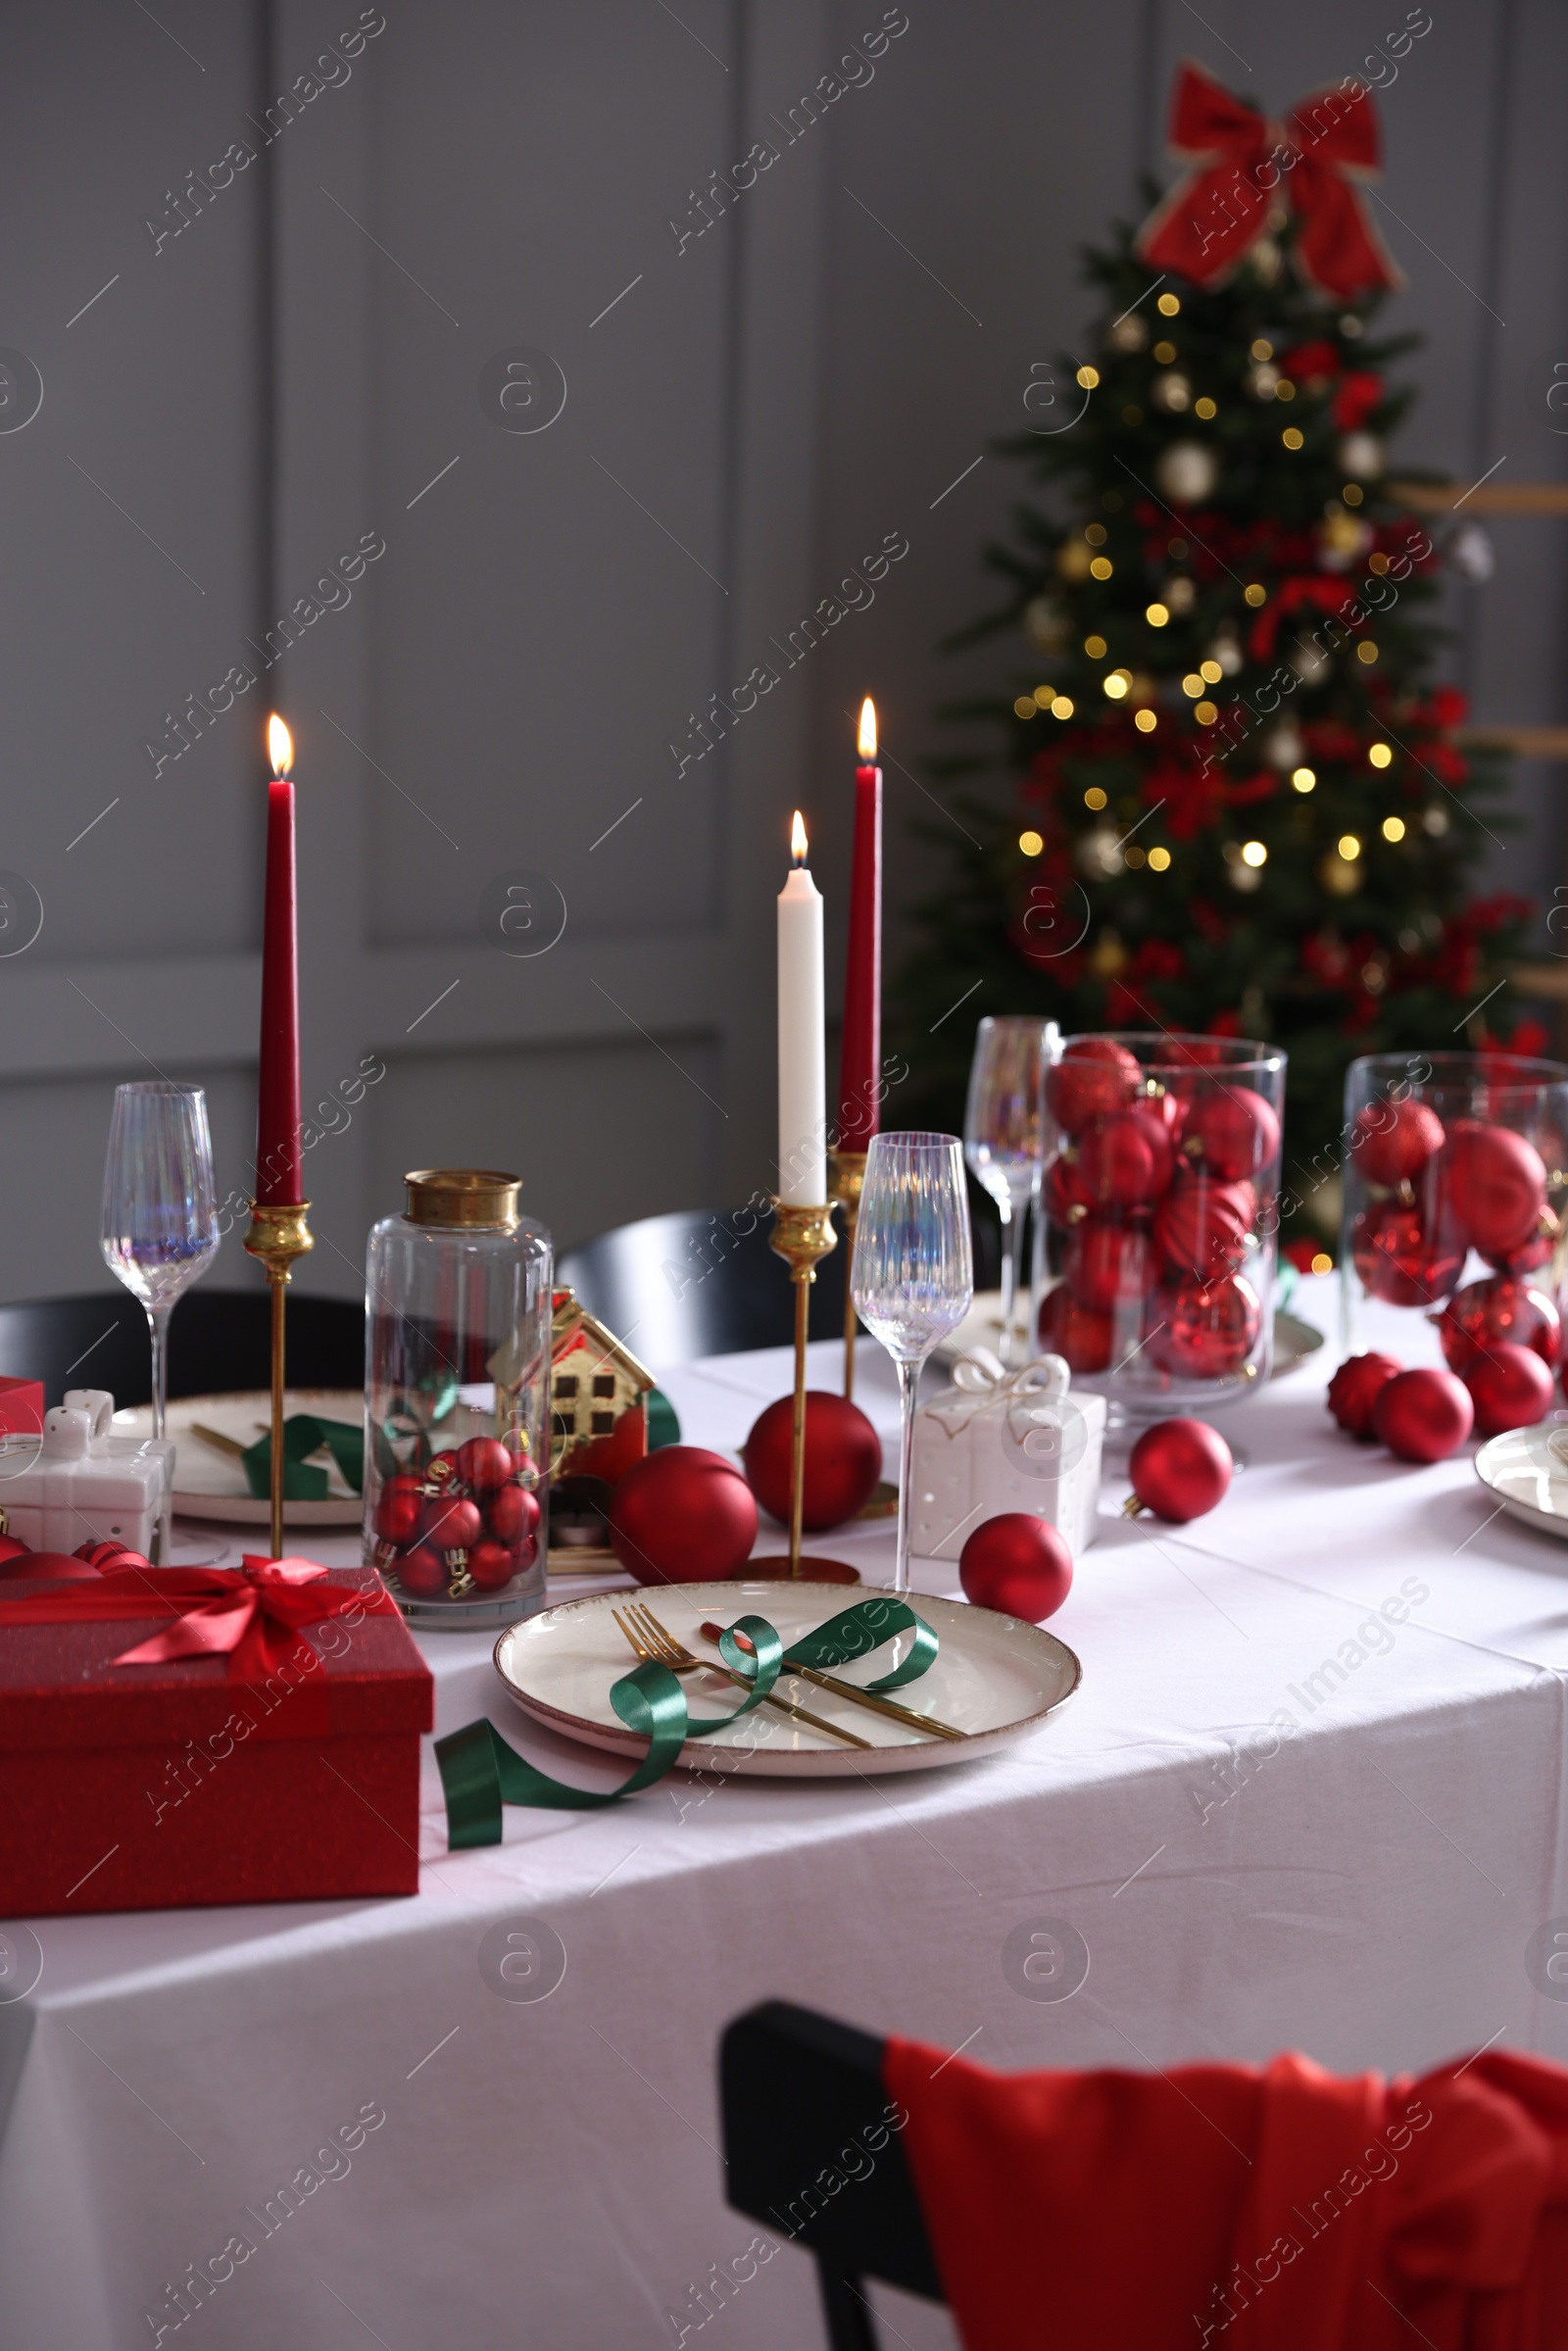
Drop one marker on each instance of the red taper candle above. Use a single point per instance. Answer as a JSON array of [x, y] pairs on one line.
[[277, 1109], [860, 1051]]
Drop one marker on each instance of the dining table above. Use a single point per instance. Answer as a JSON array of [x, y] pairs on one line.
[[1311, 1793]]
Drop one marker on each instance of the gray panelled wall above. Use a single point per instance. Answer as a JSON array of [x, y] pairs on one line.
[[291, 358]]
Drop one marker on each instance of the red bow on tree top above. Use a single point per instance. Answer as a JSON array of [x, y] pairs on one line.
[[1244, 164]]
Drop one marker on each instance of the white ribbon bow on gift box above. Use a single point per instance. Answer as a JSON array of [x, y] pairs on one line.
[[1041, 1424]]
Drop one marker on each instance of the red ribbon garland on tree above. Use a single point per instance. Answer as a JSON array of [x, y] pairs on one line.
[[1243, 164]]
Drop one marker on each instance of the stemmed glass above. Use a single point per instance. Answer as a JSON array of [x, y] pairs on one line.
[[912, 1275], [160, 1205], [1003, 1138]]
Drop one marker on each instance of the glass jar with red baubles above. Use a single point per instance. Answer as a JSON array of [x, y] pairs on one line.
[[1159, 1214], [1456, 1170], [456, 1401]]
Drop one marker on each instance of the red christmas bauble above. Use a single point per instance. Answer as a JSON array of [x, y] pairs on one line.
[[453, 1523], [1108, 1265], [1494, 1183], [512, 1514], [1232, 1131], [1202, 1227], [59, 1567], [421, 1572], [1354, 1390], [1063, 1196], [111, 1558], [400, 1512], [492, 1564], [1083, 1334], [843, 1460], [1527, 1259], [1094, 1076], [1510, 1386], [1018, 1566], [484, 1464], [11, 1549], [1392, 1142], [682, 1516], [1180, 1468], [443, 1467], [1498, 1310], [1209, 1328], [1423, 1416], [1125, 1161], [1395, 1259]]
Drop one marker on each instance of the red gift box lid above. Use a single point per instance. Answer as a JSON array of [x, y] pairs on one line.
[[60, 1687]]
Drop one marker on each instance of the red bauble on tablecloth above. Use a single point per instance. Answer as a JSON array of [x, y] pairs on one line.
[[1204, 1329], [1201, 1226], [1018, 1566], [843, 1460], [1083, 1334], [1108, 1265], [1392, 1142], [1354, 1390], [1232, 1131], [1494, 1184], [1180, 1469], [1510, 1386], [1496, 1311], [1423, 1416], [1125, 1161], [682, 1515], [1095, 1076], [1396, 1259]]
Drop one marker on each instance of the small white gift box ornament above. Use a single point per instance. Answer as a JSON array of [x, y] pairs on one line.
[[1000, 1439], [83, 1482]]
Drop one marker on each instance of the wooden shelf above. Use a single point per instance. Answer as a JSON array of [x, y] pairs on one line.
[[1529, 742], [1492, 498]]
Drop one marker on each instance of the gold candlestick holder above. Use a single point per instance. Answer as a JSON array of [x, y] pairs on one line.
[[802, 1236], [277, 1236], [847, 1176]]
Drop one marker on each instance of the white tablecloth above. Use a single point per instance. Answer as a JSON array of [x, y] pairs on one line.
[[1360, 1881]]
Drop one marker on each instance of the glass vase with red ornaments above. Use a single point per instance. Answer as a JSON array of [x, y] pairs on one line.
[[1455, 1201], [458, 1316], [1159, 1200]]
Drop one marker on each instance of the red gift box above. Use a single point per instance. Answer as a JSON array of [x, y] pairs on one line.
[[281, 1766], [21, 1407]]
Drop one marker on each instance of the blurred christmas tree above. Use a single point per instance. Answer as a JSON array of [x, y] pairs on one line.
[[1241, 805]]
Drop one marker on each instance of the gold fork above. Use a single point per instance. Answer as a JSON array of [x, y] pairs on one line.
[[648, 1636], [909, 1716]]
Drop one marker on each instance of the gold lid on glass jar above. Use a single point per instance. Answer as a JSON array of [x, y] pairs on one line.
[[463, 1195]]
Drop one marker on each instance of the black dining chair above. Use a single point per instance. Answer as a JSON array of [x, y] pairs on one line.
[[799, 2091], [699, 1283], [219, 1342]]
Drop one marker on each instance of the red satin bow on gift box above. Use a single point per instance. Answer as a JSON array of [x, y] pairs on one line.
[[1243, 164], [251, 1615]]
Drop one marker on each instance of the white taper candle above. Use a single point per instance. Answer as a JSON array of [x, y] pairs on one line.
[[802, 1052]]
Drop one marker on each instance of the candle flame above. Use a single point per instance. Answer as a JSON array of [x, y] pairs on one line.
[[279, 746], [798, 839], [868, 729]]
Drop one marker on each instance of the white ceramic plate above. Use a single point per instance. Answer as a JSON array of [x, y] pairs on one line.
[[995, 1678], [211, 1483], [1527, 1469]]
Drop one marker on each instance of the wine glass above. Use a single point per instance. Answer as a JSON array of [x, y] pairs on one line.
[[912, 1275], [160, 1205], [1003, 1135]]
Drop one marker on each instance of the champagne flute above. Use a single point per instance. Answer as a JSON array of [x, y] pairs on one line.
[[913, 1274], [1003, 1136], [160, 1230]]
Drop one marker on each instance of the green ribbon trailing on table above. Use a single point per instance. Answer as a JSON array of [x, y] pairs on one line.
[[304, 1433], [480, 1772]]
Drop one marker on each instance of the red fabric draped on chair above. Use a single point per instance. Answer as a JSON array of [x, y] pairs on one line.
[[1275, 2210]]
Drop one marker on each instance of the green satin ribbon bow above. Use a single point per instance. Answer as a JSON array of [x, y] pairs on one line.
[[480, 1772], [304, 1433]]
